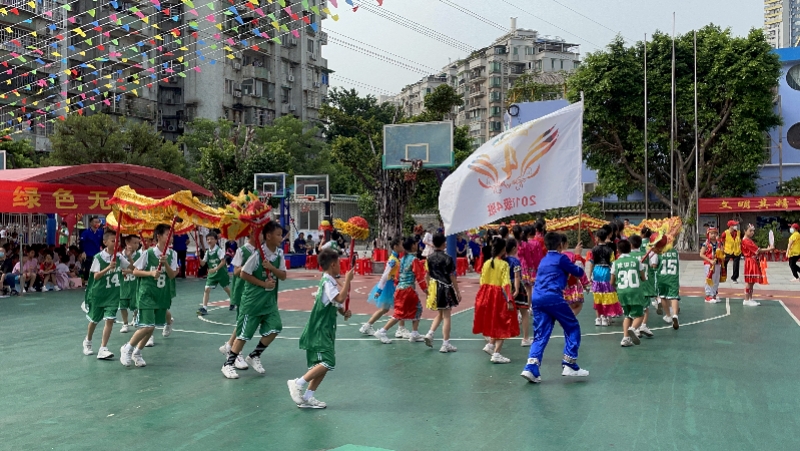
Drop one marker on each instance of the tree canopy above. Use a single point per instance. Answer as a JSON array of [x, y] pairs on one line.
[[101, 138], [736, 78], [20, 154]]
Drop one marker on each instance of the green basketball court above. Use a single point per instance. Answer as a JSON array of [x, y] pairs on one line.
[[722, 382]]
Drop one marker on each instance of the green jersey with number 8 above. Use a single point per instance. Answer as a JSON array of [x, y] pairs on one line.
[[154, 293], [627, 273], [669, 275]]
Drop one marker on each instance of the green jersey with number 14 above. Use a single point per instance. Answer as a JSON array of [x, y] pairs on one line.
[[105, 290], [669, 273]]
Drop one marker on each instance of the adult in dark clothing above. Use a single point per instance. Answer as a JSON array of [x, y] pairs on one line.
[[300, 244], [91, 242], [461, 247], [180, 243]]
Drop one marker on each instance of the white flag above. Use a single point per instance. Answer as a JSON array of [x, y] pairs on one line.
[[534, 166]]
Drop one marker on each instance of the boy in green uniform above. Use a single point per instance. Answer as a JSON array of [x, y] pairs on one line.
[[155, 294], [319, 335], [239, 259], [217, 271], [668, 286], [259, 304], [127, 293], [104, 295], [648, 284], [627, 272]]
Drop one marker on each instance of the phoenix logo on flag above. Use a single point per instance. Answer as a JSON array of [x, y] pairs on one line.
[[513, 174]]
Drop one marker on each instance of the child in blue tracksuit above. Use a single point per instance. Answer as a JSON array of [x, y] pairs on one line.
[[549, 306]]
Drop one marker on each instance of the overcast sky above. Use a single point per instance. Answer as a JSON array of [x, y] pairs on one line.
[[632, 18]]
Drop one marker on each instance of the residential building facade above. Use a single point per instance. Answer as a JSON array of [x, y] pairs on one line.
[[782, 23]]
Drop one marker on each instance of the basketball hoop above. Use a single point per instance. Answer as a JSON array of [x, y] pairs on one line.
[[305, 203], [264, 198], [411, 172]]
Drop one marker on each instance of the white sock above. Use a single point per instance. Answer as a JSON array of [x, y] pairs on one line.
[[308, 395], [137, 351], [496, 354], [87, 339], [300, 382], [415, 333], [446, 342], [430, 333]]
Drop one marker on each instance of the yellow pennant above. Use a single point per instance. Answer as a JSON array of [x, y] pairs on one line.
[[158, 37], [180, 59], [219, 26]]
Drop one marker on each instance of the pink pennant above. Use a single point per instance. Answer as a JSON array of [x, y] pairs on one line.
[[211, 18], [230, 41], [169, 70], [155, 2], [9, 71], [196, 69], [40, 125], [150, 69], [83, 96], [107, 102], [139, 14], [288, 10], [217, 36], [193, 12], [107, 34], [264, 35], [63, 93], [71, 19], [48, 13], [296, 33], [260, 12], [113, 17]]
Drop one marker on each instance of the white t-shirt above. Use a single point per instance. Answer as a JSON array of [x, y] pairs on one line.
[[252, 262], [123, 262], [239, 255], [141, 264], [428, 241], [330, 289]]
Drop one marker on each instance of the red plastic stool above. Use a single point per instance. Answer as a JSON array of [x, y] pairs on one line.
[[311, 262], [380, 255], [461, 266], [288, 263], [192, 266], [344, 264], [363, 266]]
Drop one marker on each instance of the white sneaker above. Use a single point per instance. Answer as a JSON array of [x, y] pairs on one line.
[[381, 335], [598, 321], [56, 288], [255, 362], [137, 359], [644, 330], [167, 330], [448, 348], [497, 358], [46, 289], [428, 340], [123, 329], [416, 338], [240, 363], [230, 372], [574, 373], [87, 347], [526, 343], [83, 305], [667, 319], [751, 303], [225, 349], [125, 356], [633, 336], [367, 329], [294, 392], [625, 343], [150, 343], [402, 332], [489, 349], [527, 375], [605, 322], [312, 403], [104, 354]]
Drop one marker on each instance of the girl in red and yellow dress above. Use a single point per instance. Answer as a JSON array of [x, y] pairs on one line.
[[714, 258], [495, 312], [753, 273]]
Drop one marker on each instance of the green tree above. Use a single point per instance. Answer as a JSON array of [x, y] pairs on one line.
[[737, 76], [101, 138], [538, 86], [20, 154], [441, 101]]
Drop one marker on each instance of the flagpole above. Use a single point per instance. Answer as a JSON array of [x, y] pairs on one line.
[[672, 128], [696, 147], [580, 175], [646, 187]]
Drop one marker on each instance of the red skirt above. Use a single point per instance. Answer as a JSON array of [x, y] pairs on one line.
[[752, 271], [407, 306], [492, 317]]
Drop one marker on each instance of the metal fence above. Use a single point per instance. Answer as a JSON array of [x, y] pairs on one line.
[[30, 228]]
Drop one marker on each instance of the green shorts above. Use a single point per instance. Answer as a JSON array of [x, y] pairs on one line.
[[324, 358], [633, 311], [246, 325], [151, 318], [669, 291], [97, 314], [220, 278], [127, 304]]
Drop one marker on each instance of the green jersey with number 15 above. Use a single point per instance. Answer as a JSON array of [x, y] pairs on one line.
[[669, 271]]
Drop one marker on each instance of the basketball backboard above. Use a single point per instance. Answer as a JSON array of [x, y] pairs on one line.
[[270, 184], [430, 142], [312, 185]]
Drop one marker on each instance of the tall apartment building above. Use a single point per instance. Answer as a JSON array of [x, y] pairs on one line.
[[484, 77], [245, 85], [782, 23]]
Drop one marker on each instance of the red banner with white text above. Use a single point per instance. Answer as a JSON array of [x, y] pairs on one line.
[[749, 204], [33, 197]]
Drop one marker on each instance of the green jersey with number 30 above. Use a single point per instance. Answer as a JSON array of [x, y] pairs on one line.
[[155, 293], [626, 270]]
